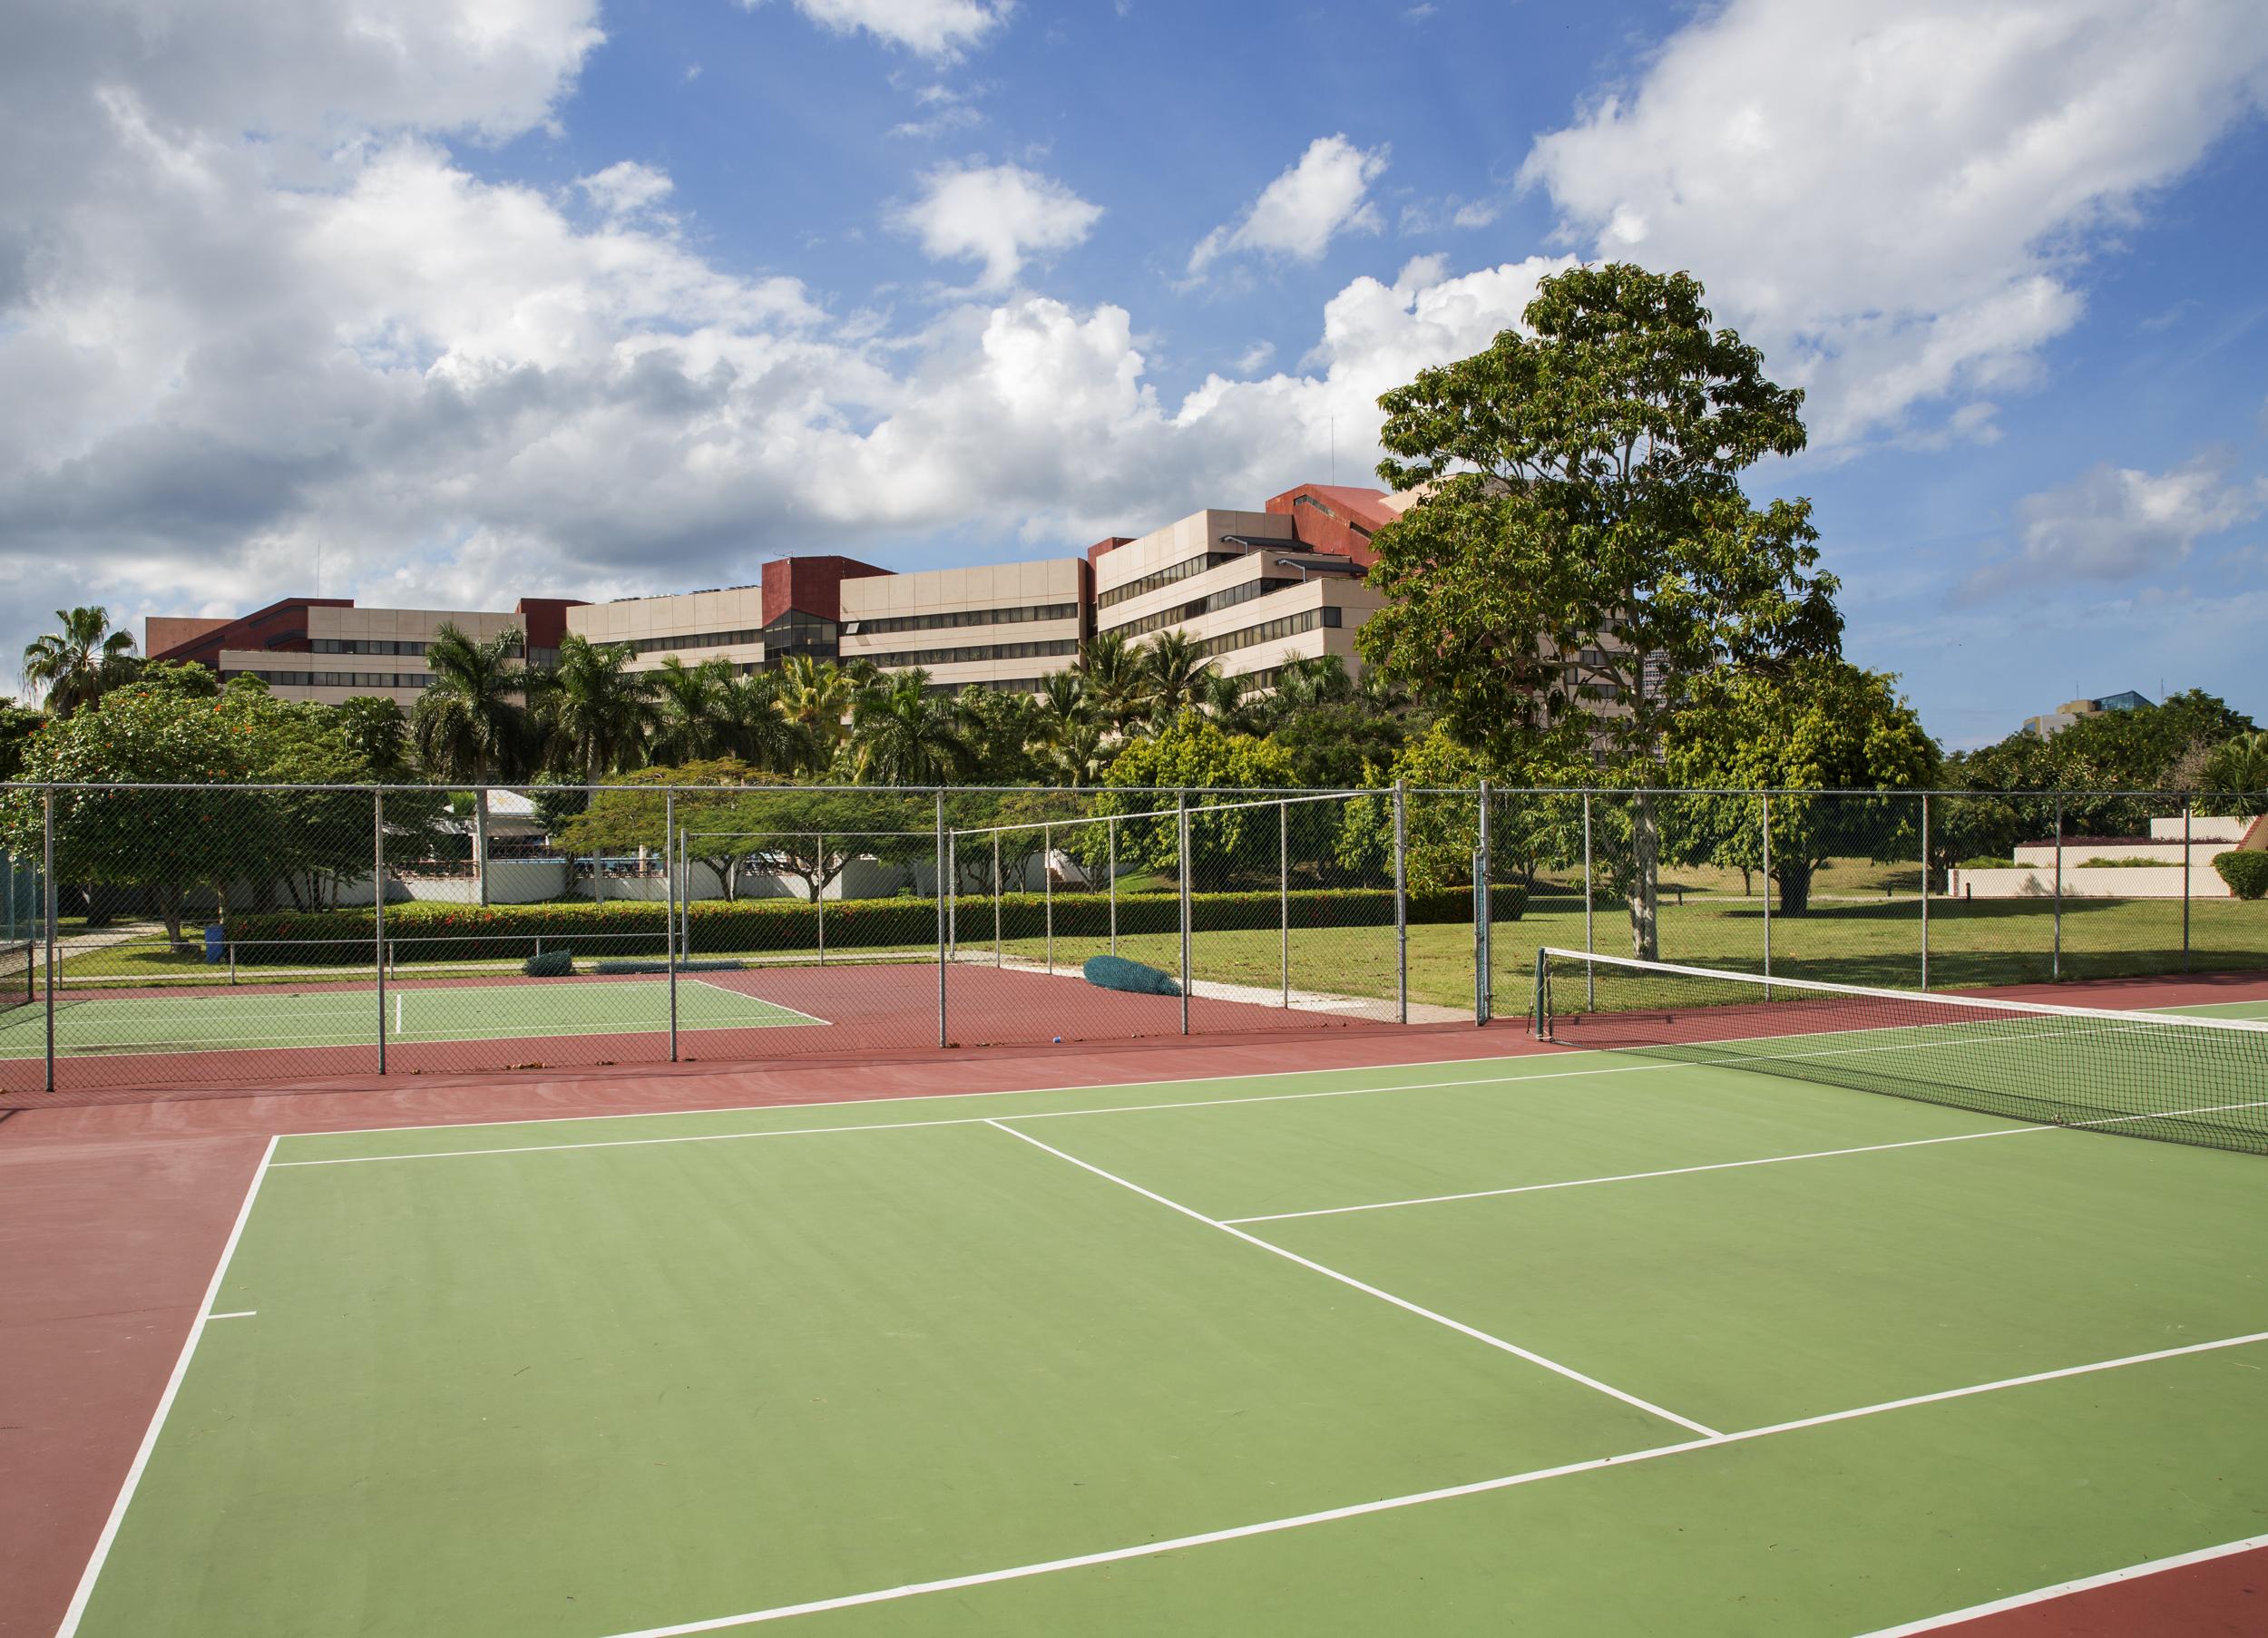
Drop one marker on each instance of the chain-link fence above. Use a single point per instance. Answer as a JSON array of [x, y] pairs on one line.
[[210, 936]]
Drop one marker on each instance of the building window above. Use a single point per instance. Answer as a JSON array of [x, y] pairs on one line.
[[1290, 625], [1169, 574], [1204, 605], [961, 616], [337, 679], [972, 654]]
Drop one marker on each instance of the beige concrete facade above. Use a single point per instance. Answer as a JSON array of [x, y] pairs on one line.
[[727, 624], [1003, 625], [361, 651]]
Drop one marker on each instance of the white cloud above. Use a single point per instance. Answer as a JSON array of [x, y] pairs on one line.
[[930, 28], [1299, 213], [1894, 200], [2120, 524], [626, 187], [1000, 214]]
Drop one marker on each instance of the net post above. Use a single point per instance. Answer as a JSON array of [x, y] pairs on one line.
[[2188, 802], [1925, 890], [941, 867], [818, 893], [1590, 977], [47, 915], [1284, 895], [1047, 888], [1181, 825], [999, 947], [669, 890], [1767, 895], [1401, 905], [2055, 965], [1111, 869], [1483, 922], [377, 914], [1540, 1007]]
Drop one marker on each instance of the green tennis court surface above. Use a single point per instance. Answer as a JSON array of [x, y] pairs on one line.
[[1568, 1344], [276, 1017]]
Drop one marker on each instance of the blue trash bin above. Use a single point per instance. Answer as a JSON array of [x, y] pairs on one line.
[[216, 945]]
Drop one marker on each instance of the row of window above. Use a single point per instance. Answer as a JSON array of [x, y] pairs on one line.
[[337, 679], [698, 639], [954, 657], [962, 617], [1269, 632], [1167, 575], [376, 645], [1006, 685], [1229, 598]]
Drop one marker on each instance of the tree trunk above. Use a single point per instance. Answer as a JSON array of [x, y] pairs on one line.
[[1644, 890], [170, 901], [1795, 886], [480, 843]]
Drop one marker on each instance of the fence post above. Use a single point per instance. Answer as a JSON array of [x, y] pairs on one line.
[[941, 867], [1401, 905], [818, 893], [1047, 887], [1767, 895], [1182, 806], [1111, 869], [377, 925], [1590, 969], [669, 890], [2055, 966], [2187, 804], [1925, 890], [998, 948], [1283, 893], [47, 914], [1483, 922]]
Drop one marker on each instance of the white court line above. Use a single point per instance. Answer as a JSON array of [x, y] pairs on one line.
[[1730, 1166], [240, 1314], [744, 995], [958, 1120], [77, 1612], [2064, 1589], [1514, 1349], [1150, 1549]]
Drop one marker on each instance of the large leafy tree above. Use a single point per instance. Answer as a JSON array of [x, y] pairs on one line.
[[596, 715], [81, 661], [901, 734], [1212, 764], [2235, 776], [17, 725], [1582, 546], [1823, 725], [473, 723]]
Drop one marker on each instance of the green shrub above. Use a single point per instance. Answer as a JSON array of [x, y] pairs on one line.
[[1987, 862], [2128, 864], [616, 927], [2246, 873]]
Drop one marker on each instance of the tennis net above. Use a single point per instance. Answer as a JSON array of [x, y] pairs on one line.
[[15, 976], [2194, 1080]]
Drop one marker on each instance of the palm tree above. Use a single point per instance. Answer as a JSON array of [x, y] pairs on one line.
[[2237, 772], [1064, 705], [690, 701], [80, 663], [594, 712], [471, 722], [1110, 674], [1174, 671], [817, 696], [901, 734], [751, 725], [1221, 696], [1077, 757]]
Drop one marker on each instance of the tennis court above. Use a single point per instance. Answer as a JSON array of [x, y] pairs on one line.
[[332, 1015], [1578, 1340]]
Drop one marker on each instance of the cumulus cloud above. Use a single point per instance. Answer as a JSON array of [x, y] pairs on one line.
[[334, 334], [2121, 523], [930, 28], [1002, 215], [1297, 215], [1895, 202]]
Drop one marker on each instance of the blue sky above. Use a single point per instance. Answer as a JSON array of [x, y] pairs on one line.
[[602, 298]]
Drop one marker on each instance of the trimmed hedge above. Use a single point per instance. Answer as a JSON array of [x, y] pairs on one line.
[[464, 932], [2246, 873]]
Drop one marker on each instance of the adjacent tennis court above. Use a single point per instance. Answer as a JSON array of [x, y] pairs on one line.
[[332, 1015], [1575, 1342]]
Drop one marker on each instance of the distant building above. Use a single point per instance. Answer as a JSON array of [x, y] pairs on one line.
[[327, 649], [2072, 710]]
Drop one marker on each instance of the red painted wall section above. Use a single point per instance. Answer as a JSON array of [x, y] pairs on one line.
[[545, 618], [255, 630], [1095, 550], [1336, 518], [812, 585]]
